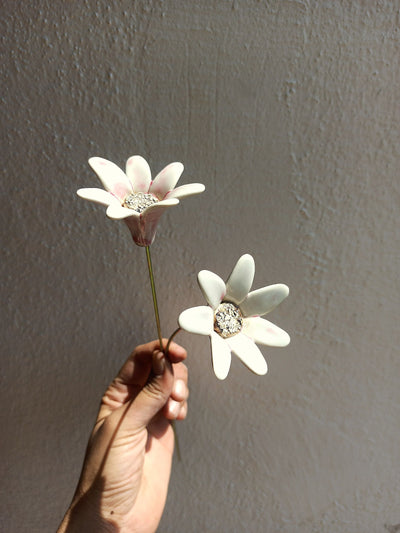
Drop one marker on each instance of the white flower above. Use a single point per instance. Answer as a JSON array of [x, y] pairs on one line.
[[232, 319], [134, 197]]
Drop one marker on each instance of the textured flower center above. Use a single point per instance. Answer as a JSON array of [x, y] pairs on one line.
[[138, 201], [228, 320]]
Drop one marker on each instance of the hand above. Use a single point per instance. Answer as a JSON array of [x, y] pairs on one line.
[[124, 481]]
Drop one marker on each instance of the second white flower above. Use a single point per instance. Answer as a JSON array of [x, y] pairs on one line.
[[233, 320]]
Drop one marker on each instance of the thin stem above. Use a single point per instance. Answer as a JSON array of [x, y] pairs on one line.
[[153, 292], [178, 448], [170, 340], [155, 305], [177, 445]]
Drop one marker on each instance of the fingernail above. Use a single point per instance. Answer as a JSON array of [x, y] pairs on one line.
[[173, 409], [183, 411], [158, 363], [180, 389]]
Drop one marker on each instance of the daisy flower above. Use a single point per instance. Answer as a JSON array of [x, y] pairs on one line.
[[233, 320], [134, 197]]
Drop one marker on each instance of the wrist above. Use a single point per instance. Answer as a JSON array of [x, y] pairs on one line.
[[82, 515]]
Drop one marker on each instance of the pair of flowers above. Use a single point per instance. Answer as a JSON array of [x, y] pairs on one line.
[[232, 318]]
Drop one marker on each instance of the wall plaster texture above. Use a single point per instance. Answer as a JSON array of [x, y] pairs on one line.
[[288, 111]]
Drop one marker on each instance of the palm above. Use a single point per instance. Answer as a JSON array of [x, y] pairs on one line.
[[135, 473]]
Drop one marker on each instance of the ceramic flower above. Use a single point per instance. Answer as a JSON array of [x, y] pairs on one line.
[[233, 320], [136, 198]]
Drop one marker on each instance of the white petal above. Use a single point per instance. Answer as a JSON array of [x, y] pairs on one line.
[[139, 173], [150, 217], [99, 196], [117, 212], [240, 280], [263, 300], [221, 356], [264, 332], [186, 190], [166, 180], [112, 177], [248, 353], [198, 320], [212, 287], [162, 204], [143, 226]]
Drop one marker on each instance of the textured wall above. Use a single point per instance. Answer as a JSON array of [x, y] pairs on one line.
[[288, 111]]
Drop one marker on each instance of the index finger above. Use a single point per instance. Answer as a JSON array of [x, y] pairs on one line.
[[176, 353], [136, 369]]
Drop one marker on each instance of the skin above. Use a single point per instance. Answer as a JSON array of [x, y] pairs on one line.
[[124, 481]]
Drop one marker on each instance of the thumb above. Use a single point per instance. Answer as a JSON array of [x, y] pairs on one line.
[[155, 394]]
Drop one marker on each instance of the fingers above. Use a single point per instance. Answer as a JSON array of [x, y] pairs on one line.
[[155, 394], [176, 407], [165, 391], [136, 370], [176, 353], [159, 380]]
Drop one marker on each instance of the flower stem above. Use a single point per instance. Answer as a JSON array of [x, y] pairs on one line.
[[155, 305], [178, 448], [153, 292], [170, 340]]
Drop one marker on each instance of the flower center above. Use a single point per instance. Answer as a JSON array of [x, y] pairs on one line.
[[228, 320], [138, 201]]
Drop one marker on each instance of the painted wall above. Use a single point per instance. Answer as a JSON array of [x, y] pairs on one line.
[[288, 112]]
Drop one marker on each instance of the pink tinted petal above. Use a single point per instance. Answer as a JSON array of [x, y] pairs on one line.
[[134, 225], [186, 190], [212, 287], [150, 217], [112, 177], [198, 320], [166, 180], [99, 196], [139, 173], [221, 356], [263, 300], [117, 212], [264, 332], [240, 280], [248, 353]]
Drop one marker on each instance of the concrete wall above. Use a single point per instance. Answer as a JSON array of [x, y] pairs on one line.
[[288, 112]]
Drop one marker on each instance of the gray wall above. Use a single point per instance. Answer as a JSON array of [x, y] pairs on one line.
[[288, 112]]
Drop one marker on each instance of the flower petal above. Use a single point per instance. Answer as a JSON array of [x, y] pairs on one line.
[[139, 173], [264, 332], [263, 300], [248, 353], [112, 177], [135, 227], [240, 280], [117, 212], [150, 217], [212, 287], [162, 204], [198, 320], [221, 355], [166, 180], [186, 190], [99, 196]]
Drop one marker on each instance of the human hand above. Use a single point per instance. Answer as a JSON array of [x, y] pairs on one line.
[[124, 481]]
